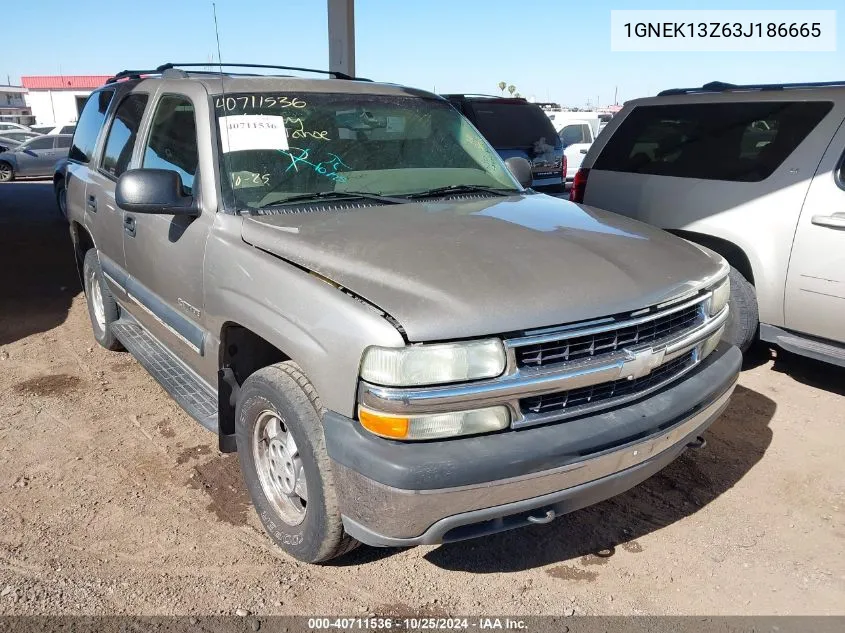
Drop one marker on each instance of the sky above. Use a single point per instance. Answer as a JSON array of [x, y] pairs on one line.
[[552, 50]]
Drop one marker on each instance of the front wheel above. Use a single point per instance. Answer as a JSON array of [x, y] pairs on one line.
[[7, 172], [61, 197], [285, 465], [743, 319]]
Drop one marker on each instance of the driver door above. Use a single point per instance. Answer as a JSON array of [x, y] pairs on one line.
[[36, 157], [164, 253]]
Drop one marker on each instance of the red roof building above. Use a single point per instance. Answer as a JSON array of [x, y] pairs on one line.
[[63, 82]]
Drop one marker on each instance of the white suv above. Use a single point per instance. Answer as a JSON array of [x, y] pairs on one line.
[[756, 173]]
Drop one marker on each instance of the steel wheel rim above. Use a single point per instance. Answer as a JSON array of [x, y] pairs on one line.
[[5, 171], [97, 301], [279, 467]]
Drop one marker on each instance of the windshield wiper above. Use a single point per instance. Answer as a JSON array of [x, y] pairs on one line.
[[437, 191], [320, 195]]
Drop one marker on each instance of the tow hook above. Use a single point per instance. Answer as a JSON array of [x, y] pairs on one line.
[[698, 442], [548, 518]]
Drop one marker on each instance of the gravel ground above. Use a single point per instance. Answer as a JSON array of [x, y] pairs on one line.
[[113, 501]]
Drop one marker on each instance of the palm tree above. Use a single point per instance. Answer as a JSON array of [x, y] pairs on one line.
[[502, 86], [511, 89]]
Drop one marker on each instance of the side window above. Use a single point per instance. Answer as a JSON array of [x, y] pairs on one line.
[[62, 142], [89, 126], [571, 134], [172, 143], [45, 142], [122, 135], [67, 129]]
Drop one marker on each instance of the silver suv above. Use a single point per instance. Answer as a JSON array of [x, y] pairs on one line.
[[756, 173], [344, 281]]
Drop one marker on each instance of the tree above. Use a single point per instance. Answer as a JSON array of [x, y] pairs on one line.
[[517, 95], [511, 89], [502, 86]]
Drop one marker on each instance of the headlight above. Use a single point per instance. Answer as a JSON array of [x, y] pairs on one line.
[[721, 295], [433, 364], [436, 425]]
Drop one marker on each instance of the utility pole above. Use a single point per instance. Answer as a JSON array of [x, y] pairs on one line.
[[615, 94], [342, 36]]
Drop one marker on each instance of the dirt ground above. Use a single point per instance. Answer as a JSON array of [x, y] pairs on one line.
[[114, 501]]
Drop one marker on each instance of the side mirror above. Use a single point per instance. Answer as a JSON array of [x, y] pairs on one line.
[[521, 170], [153, 191]]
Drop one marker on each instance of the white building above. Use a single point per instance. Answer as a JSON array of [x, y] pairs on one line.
[[13, 106], [59, 98]]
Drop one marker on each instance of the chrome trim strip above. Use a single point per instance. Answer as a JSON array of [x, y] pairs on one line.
[[567, 334], [525, 382], [166, 326]]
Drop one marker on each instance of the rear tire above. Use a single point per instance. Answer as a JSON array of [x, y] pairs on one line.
[[287, 470], [102, 308], [7, 172], [743, 319]]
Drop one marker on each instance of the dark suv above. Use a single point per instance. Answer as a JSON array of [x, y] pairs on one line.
[[515, 127]]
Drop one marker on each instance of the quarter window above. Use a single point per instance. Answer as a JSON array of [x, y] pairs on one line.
[[89, 126], [122, 135], [741, 142], [172, 143], [62, 142]]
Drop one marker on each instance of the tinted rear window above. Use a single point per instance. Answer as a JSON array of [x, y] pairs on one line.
[[743, 142], [89, 125], [513, 124]]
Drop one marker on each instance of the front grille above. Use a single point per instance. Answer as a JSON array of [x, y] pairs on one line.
[[588, 345], [566, 401]]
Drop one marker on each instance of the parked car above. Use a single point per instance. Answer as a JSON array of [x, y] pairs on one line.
[[360, 299], [756, 173], [35, 157], [20, 135], [5, 126], [577, 137], [515, 127], [64, 128]]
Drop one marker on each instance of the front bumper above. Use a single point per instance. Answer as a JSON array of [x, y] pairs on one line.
[[398, 494]]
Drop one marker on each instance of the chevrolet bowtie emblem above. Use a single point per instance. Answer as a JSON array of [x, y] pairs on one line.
[[641, 362]]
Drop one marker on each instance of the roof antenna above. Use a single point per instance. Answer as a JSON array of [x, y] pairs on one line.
[[224, 129]]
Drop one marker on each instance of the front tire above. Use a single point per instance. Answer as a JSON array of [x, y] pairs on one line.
[[102, 308], [743, 319], [283, 458], [7, 172], [61, 197]]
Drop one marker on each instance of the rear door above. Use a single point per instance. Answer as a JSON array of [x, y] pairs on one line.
[[815, 285], [103, 217], [35, 157]]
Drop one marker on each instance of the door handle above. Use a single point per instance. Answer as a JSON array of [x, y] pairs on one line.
[[583, 151], [835, 221], [92, 203], [129, 225]]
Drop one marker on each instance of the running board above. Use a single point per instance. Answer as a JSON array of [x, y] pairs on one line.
[[804, 345], [183, 385]]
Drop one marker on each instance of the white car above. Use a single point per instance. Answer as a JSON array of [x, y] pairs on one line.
[[55, 128], [577, 135], [756, 173], [8, 126]]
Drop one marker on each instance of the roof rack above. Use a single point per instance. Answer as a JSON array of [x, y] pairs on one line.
[[720, 86], [175, 70], [483, 96]]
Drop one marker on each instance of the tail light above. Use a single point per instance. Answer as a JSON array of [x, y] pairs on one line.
[[563, 165], [579, 185]]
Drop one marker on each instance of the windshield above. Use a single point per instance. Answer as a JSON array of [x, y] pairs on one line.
[[276, 146], [514, 124]]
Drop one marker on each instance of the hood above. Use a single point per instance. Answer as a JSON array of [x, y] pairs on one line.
[[454, 269]]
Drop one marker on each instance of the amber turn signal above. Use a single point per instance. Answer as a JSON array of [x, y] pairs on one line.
[[384, 425]]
